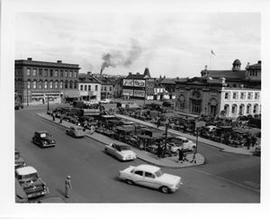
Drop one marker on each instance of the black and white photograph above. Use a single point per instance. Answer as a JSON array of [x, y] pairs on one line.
[[133, 103]]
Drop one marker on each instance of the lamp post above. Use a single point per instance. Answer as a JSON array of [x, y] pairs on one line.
[[48, 103], [166, 134]]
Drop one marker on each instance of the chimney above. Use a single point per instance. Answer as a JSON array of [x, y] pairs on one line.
[[29, 59], [59, 61], [259, 62], [247, 65]]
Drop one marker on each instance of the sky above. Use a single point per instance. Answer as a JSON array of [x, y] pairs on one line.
[[169, 44]]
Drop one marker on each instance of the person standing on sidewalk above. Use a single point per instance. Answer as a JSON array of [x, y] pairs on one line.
[[68, 186], [180, 155]]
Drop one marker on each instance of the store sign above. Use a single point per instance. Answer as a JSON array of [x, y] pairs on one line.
[[139, 93], [139, 83], [127, 92], [128, 82]]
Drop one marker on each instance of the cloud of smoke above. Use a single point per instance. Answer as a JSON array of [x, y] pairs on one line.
[[118, 58]]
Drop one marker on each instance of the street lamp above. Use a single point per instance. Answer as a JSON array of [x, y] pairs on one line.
[[48, 104], [166, 134]]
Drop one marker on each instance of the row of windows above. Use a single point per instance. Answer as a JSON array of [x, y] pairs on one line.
[[49, 73], [242, 109], [243, 95], [105, 88], [51, 85], [86, 87], [253, 73]]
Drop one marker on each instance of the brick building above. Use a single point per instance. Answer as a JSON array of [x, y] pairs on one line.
[[38, 81]]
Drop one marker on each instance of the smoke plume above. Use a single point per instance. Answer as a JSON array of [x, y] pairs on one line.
[[118, 58]]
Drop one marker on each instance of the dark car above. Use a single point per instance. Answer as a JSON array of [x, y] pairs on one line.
[[43, 139]]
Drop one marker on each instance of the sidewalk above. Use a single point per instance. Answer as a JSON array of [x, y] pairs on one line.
[[148, 157], [222, 147]]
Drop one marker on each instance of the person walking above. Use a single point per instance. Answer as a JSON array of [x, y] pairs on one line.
[[61, 119], [68, 186]]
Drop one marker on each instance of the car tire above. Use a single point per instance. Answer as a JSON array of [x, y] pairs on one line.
[[130, 182], [164, 189]]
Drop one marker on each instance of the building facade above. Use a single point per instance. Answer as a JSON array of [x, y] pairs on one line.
[[229, 93], [140, 86], [89, 88], [36, 82]]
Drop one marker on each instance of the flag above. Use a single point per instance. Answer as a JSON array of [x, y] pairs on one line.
[[212, 52]]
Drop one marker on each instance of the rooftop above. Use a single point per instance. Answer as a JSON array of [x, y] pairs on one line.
[[149, 168], [26, 170]]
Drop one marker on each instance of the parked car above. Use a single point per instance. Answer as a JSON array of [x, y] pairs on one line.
[[181, 142], [30, 181], [77, 132], [121, 152], [43, 139], [19, 161], [150, 176]]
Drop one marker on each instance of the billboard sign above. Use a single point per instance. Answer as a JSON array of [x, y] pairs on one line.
[[127, 92], [139, 93], [139, 83], [128, 82]]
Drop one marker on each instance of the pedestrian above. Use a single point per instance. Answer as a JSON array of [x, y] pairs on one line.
[[92, 128], [53, 117], [193, 158], [180, 155], [61, 119], [68, 186]]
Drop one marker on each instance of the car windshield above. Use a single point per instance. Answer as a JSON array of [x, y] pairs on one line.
[[28, 176], [123, 147], [158, 173]]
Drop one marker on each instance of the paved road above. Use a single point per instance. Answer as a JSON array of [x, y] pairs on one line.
[[226, 177]]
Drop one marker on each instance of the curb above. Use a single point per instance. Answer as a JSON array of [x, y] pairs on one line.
[[138, 156]]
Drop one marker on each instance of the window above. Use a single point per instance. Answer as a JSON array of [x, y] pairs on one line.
[[28, 71], [34, 72], [81, 87], [61, 84], [51, 73], [66, 84], [40, 72], [75, 84], [96, 87], [227, 95], [89, 87], [34, 84], [65, 74], [257, 96], [138, 172], [70, 74], [40, 85], [51, 85], [61, 73], [56, 73], [46, 73], [74, 74], [249, 95], [45, 84], [28, 84], [110, 88], [71, 84], [242, 96], [105, 88], [256, 109], [85, 87], [234, 95], [248, 108], [56, 84], [150, 175]]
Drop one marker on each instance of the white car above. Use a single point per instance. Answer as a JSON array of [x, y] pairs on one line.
[[150, 176], [181, 142], [121, 152]]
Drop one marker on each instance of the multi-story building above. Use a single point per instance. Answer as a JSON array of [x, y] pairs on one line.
[[36, 82], [138, 85], [89, 88], [234, 94]]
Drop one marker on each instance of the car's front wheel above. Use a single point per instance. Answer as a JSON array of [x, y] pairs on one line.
[[130, 182], [164, 189]]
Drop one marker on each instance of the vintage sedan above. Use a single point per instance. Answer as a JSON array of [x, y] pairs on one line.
[[43, 139], [121, 152], [77, 132], [180, 142], [151, 176]]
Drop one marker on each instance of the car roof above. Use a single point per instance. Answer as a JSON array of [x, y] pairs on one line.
[[146, 167], [26, 170]]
